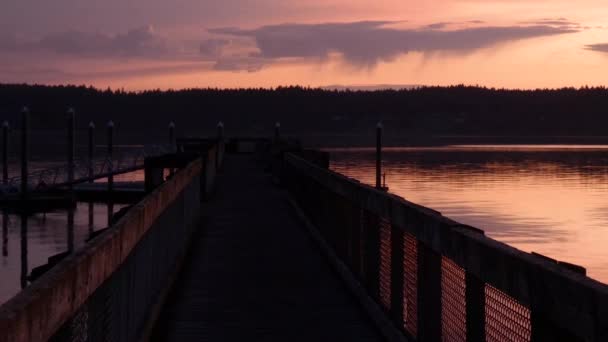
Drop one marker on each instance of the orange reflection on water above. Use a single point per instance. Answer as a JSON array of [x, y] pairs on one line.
[[552, 200]]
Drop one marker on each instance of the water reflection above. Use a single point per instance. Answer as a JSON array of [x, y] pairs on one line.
[[4, 233], [23, 251], [549, 199], [41, 236]]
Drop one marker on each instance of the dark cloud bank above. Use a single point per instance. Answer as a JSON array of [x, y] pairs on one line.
[[369, 42], [138, 42], [362, 44]]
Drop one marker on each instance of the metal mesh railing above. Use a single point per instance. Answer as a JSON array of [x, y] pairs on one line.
[[453, 302], [85, 169], [506, 319], [410, 288], [438, 280]]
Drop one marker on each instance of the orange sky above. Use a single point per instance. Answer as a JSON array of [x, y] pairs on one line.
[[141, 44]]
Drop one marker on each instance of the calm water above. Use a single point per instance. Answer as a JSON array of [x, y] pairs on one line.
[[46, 235], [551, 200]]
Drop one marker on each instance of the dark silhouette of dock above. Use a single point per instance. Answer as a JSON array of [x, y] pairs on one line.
[[254, 273], [257, 240]]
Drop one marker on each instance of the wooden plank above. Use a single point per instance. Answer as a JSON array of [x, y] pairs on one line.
[[255, 274]]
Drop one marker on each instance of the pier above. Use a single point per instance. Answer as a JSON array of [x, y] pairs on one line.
[[256, 239]]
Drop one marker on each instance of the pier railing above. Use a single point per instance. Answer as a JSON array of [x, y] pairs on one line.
[[89, 169], [108, 290], [438, 280]]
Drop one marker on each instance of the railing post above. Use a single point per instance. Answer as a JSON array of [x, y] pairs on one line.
[[91, 151], [25, 113], [379, 128], [5, 132], [475, 306], [429, 294], [71, 121], [543, 329], [397, 256]]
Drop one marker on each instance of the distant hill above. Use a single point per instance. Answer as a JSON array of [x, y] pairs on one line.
[[371, 87]]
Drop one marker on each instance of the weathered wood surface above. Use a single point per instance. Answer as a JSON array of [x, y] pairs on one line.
[[255, 275]]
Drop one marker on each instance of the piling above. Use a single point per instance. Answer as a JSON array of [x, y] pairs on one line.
[[24, 262], [70, 230], [91, 218], [172, 134], [277, 131], [110, 152], [5, 132], [91, 150], [71, 146], [219, 151], [220, 131], [4, 233], [25, 113], [111, 169], [379, 128]]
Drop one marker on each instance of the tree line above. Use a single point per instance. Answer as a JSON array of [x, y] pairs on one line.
[[325, 115]]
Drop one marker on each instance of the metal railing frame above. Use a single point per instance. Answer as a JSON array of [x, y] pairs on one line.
[[405, 254]]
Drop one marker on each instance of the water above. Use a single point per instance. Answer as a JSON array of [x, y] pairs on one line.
[[45, 235], [552, 200]]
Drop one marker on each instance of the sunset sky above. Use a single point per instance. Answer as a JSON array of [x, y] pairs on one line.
[[137, 44]]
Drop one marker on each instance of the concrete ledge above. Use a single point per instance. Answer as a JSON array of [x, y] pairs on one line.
[[36, 313]]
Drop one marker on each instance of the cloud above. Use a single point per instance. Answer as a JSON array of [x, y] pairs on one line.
[[366, 43], [556, 22], [240, 63], [597, 47], [213, 48], [137, 42], [7, 42], [438, 26]]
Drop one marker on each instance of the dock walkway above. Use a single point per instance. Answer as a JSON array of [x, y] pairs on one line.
[[254, 274]]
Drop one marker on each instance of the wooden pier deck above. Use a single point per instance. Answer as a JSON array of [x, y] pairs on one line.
[[254, 273]]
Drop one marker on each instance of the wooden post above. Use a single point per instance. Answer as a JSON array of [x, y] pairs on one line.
[[220, 131], [277, 131], [71, 122], [111, 169], [25, 113], [70, 230], [171, 134], [24, 252], [379, 128], [4, 233], [219, 156], [91, 151], [91, 218], [110, 152], [5, 132]]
